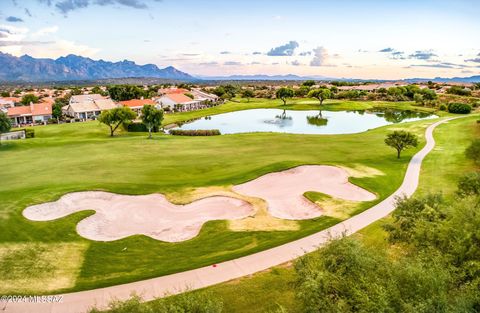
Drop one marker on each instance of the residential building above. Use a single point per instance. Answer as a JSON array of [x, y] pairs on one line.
[[87, 106], [137, 104], [30, 114], [178, 102]]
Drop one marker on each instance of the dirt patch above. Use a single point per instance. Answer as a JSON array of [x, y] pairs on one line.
[[283, 191], [120, 216]]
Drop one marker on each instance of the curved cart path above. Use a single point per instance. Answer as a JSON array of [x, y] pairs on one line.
[[79, 302]]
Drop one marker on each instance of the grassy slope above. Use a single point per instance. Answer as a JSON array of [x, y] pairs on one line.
[[440, 172], [73, 157]]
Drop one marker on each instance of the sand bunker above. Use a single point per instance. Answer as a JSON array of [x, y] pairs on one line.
[[120, 216], [284, 190]]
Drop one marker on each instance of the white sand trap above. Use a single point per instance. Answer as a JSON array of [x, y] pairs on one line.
[[120, 216], [284, 190]]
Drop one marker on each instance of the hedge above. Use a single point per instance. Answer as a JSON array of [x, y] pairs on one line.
[[139, 127], [195, 132], [459, 108], [29, 132]]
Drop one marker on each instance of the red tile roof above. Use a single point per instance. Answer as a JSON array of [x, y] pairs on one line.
[[34, 109], [135, 103]]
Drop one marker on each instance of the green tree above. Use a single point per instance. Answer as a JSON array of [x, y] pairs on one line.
[[247, 94], [308, 83], [151, 118], [284, 93], [5, 124], [5, 93], [473, 151], [115, 117], [401, 140], [320, 94], [57, 109], [26, 99], [302, 91]]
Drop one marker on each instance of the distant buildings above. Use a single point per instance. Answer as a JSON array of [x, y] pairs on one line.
[[178, 99], [137, 104]]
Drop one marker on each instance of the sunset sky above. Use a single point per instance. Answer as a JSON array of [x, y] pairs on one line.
[[353, 39]]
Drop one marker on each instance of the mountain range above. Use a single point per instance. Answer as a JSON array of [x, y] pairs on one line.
[[73, 67], [77, 68]]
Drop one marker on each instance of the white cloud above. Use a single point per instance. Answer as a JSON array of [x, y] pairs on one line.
[[59, 48], [46, 31], [320, 55]]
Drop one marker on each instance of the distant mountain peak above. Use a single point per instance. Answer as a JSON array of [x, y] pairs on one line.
[[75, 67]]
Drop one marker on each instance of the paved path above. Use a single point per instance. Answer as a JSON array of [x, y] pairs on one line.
[[79, 302]]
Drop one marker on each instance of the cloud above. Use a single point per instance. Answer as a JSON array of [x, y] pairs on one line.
[[232, 63], [27, 12], [225, 52], [8, 43], [256, 53], [59, 48], [284, 50], [13, 19], [319, 56], [65, 6], [212, 63], [45, 31], [476, 60], [397, 55], [422, 55], [386, 50], [3, 35], [305, 53], [442, 65], [295, 63], [190, 54]]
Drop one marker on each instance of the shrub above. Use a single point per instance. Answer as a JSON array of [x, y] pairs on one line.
[[195, 132], [29, 133], [459, 108], [52, 121], [139, 127], [443, 107], [473, 151], [469, 184]]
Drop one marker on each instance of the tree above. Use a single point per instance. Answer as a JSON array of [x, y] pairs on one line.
[[302, 91], [473, 151], [151, 118], [26, 99], [320, 94], [401, 140], [5, 124], [115, 117], [284, 93], [308, 83], [248, 93], [5, 94]]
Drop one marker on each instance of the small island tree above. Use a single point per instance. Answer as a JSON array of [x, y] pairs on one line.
[[5, 124], [473, 151], [320, 94], [151, 118], [247, 94], [284, 93], [401, 140], [115, 117]]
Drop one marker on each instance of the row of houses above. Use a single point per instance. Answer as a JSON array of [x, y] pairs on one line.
[[85, 107]]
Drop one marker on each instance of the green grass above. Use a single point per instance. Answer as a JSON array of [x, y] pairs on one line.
[[81, 156], [440, 171]]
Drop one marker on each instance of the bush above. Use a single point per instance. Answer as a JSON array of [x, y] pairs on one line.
[[139, 127], [473, 151], [195, 132], [443, 107], [52, 121], [459, 108], [29, 133], [469, 184]]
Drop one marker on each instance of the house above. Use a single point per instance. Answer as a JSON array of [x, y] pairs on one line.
[[8, 102], [87, 106], [30, 114], [178, 102], [137, 104], [172, 90], [205, 97]]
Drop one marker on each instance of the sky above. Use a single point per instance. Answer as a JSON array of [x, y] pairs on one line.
[[369, 39]]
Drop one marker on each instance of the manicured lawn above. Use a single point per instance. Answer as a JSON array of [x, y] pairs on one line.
[[74, 157], [440, 172]]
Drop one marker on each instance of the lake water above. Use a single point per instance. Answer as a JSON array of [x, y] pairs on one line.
[[302, 122]]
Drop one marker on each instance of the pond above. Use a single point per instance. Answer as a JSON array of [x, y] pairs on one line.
[[303, 122]]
